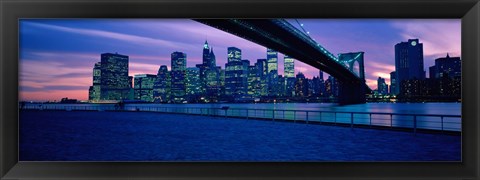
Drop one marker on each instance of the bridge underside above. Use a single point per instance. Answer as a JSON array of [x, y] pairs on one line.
[[276, 34], [351, 93]]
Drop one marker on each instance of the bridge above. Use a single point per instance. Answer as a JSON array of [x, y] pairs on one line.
[[282, 36]]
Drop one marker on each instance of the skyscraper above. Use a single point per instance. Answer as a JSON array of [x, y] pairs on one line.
[[193, 84], [321, 83], [234, 54], [331, 87], [222, 82], [208, 56], [179, 63], [446, 66], [261, 65], [393, 83], [213, 87], [209, 74], [162, 86], [272, 69], [289, 67], [301, 85], [316, 87], [94, 92], [408, 62], [382, 87], [254, 86], [289, 74], [446, 78], [114, 77], [143, 87], [236, 74]]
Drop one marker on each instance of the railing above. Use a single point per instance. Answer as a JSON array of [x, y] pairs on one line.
[[413, 122]]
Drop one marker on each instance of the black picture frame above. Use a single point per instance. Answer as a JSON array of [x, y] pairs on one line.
[[11, 11]]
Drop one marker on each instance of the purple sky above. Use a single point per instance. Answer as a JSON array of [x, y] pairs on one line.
[[57, 55]]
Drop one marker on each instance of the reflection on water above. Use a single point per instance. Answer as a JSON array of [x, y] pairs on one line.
[[407, 108], [407, 115]]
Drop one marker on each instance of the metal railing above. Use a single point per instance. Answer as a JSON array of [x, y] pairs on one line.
[[414, 122]]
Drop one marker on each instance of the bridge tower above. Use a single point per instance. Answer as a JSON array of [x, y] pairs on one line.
[[352, 92]]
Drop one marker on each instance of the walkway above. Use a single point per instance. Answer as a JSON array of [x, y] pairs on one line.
[[149, 136]]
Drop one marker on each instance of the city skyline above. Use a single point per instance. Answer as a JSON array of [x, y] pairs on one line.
[[37, 71]]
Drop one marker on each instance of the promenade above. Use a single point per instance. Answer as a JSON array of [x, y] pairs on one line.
[[153, 136]]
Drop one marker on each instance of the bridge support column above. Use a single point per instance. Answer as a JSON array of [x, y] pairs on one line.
[[351, 93]]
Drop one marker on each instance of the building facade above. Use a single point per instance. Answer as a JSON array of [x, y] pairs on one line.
[[272, 72], [94, 91], [301, 86], [446, 66], [114, 78], [162, 86], [382, 87], [193, 84], [236, 74], [143, 87], [179, 66], [408, 62]]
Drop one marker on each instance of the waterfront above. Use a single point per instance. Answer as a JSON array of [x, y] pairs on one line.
[[147, 136], [432, 116], [407, 108]]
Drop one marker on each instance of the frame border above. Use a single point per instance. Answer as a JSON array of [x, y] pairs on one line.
[[11, 11]]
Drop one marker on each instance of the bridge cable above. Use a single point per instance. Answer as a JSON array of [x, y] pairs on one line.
[[303, 29]]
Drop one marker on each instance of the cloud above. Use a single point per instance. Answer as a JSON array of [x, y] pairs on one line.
[[439, 36], [139, 40], [143, 68], [371, 83]]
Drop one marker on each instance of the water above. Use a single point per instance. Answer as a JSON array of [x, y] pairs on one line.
[[332, 113], [406, 108]]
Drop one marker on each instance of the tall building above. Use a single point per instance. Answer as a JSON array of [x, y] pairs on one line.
[[162, 86], [222, 82], [130, 81], [289, 74], [289, 86], [382, 87], [272, 72], [446, 66], [393, 83], [289, 67], [114, 80], [446, 78], [254, 84], [213, 86], [236, 74], [234, 54], [178, 64], [316, 87], [321, 83], [261, 65], [143, 87], [208, 56], [408, 62], [331, 87], [301, 85], [281, 86], [193, 84], [209, 74], [94, 92]]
